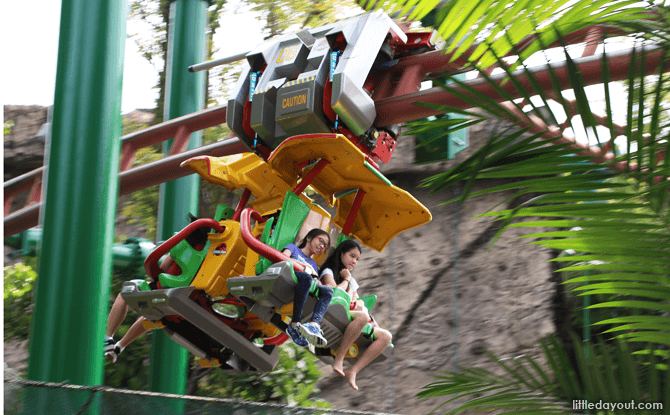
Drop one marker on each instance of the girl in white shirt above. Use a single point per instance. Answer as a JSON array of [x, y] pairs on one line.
[[336, 272]]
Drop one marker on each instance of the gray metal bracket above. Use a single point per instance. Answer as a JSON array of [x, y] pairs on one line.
[[156, 304]]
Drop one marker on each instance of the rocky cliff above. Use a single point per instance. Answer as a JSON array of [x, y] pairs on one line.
[[24, 145]]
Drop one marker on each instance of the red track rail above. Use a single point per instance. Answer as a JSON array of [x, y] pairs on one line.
[[140, 177], [401, 108], [395, 92]]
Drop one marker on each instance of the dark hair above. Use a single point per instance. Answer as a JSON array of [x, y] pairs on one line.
[[198, 236], [313, 234], [334, 260]]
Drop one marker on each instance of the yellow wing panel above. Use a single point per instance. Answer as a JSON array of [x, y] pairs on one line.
[[244, 170], [386, 210]]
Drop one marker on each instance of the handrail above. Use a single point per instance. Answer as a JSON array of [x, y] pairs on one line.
[[151, 263], [168, 129], [259, 247], [23, 182]]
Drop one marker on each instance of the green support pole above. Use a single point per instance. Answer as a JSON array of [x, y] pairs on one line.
[[75, 264], [185, 93]]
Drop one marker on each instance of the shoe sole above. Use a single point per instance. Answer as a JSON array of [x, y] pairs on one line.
[[293, 340], [312, 338]]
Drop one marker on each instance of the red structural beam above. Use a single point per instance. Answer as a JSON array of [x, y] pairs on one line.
[[178, 128], [402, 108], [389, 111], [140, 177], [406, 76], [167, 169], [307, 180], [31, 180]]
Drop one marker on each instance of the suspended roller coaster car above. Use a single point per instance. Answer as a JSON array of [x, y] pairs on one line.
[[232, 301]]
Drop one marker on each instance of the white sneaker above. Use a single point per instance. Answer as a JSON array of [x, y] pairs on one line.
[[312, 332], [113, 354]]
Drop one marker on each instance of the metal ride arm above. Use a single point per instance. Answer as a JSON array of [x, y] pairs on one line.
[[314, 81], [259, 247], [151, 263]]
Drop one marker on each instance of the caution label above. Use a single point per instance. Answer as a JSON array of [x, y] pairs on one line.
[[294, 100]]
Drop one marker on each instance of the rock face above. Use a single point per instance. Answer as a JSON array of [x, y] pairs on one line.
[[447, 300], [442, 295], [24, 145]]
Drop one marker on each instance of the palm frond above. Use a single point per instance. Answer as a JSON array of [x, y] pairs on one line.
[[467, 25], [600, 372], [622, 215]]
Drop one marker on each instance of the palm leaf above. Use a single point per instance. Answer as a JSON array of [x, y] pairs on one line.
[[607, 372], [628, 212]]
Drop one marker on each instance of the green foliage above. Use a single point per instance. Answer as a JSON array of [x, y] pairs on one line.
[[495, 28], [154, 15], [152, 43], [293, 381], [143, 207], [130, 126], [7, 128], [19, 280], [602, 372], [286, 16], [624, 237]]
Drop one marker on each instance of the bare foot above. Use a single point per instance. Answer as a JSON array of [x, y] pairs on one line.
[[351, 377], [338, 368]]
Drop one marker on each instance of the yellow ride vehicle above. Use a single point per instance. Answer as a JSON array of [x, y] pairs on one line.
[[233, 298]]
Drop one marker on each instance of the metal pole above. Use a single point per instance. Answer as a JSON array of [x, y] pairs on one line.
[[217, 62], [75, 264], [184, 94]]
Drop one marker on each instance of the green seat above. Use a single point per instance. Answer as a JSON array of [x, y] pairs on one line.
[[223, 212], [293, 213], [369, 301], [189, 260], [343, 299]]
